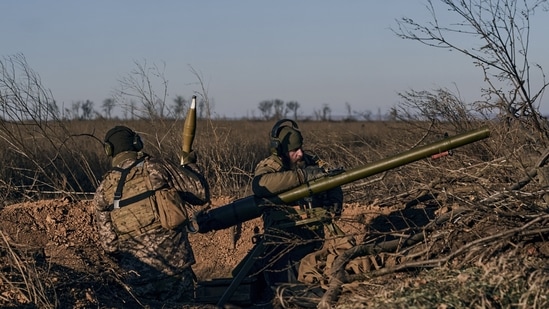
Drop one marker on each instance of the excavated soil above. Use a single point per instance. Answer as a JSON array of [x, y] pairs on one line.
[[52, 247], [59, 240]]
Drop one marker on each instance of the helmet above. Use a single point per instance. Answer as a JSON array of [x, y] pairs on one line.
[[121, 138], [285, 138]]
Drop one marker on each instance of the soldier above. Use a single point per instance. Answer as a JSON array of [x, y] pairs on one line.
[[287, 167], [141, 211]]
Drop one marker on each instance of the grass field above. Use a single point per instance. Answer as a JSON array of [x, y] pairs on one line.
[[492, 255], [68, 157]]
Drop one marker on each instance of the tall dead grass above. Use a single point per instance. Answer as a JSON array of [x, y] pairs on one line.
[[229, 150], [27, 286], [68, 158]]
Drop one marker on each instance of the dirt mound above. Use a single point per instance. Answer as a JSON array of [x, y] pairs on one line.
[[51, 257], [57, 241], [61, 238]]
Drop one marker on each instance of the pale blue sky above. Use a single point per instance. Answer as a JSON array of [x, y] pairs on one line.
[[315, 52]]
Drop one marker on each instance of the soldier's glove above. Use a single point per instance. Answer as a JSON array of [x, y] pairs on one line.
[[188, 157], [311, 173]]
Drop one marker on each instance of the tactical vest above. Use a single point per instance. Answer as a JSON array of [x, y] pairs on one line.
[[137, 206]]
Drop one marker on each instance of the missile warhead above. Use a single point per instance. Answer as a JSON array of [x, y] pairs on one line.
[[189, 128]]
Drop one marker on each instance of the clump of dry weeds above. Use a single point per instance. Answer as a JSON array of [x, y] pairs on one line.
[[23, 284]]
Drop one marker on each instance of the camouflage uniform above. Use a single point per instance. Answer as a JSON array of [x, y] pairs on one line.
[[158, 261], [273, 176]]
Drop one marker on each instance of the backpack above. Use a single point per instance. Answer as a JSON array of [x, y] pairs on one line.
[[138, 207]]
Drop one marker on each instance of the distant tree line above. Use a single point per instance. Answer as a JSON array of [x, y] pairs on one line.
[[141, 94], [85, 110], [278, 109], [269, 110]]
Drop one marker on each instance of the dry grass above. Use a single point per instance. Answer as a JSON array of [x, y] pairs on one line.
[[68, 157], [27, 286], [490, 270]]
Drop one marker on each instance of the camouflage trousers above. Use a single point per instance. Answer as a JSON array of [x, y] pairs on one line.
[[167, 289]]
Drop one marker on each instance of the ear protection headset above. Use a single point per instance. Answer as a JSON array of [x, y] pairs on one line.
[[109, 147], [275, 141]]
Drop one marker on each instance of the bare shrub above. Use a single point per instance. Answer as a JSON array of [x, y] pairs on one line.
[[501, 49], [39, 153]]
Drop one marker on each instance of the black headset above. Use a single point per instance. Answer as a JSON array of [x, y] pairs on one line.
[[137, 141], [275, 141]]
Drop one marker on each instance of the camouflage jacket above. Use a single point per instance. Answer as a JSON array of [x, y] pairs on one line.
[[272, 176], [159, 250]]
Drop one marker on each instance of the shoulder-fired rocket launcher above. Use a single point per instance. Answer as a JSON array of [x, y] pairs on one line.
[[251, 207]]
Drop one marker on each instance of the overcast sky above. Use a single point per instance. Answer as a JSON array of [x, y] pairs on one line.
[[314, 52]]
